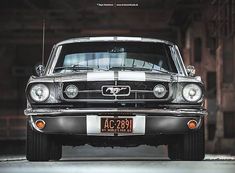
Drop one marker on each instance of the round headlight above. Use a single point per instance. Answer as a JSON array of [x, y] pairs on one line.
[[192, 92], [39, 92], [71, 91], [159, 90]]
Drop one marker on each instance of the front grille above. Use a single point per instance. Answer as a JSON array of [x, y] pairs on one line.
[[139, 91]]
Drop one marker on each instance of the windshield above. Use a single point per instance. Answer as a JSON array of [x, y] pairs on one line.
[[128, 56]]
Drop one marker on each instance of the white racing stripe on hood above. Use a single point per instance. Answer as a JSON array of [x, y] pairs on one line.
[[133, 76], [100, 76]]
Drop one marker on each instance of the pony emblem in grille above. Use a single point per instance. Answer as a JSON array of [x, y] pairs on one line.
[[116, 90]]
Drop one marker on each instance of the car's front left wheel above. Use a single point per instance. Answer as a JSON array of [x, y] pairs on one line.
[[41, 147], [190, 146]]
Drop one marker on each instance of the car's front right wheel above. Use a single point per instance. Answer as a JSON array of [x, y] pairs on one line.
[[190, 146], [41, 147]]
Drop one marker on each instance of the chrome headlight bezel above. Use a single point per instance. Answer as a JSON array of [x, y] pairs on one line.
[[159, 91], [39, 92], [192, 92], [73, 89]]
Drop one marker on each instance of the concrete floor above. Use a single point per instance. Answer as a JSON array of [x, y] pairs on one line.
[[87, 159]]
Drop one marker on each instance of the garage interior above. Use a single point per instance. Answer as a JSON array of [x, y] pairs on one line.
[[203, 29]]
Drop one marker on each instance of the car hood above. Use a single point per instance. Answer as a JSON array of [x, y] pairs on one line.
[[114, 75]]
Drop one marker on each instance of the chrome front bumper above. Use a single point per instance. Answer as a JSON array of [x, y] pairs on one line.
[[86, 121], [89, 125], [87, 111]]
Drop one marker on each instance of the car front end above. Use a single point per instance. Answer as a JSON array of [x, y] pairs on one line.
[[115, 91]]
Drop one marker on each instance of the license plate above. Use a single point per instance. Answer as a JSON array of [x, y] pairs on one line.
[[116, 125]]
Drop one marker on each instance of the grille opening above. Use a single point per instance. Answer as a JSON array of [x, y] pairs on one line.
[[93, 90]]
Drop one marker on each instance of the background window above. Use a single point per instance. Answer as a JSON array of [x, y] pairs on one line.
[[211, 84], [228, 61], [211, 131], [229, 124], [197, 49]]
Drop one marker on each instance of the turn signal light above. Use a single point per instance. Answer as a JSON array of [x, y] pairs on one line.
[[192, 124], [40, 124]]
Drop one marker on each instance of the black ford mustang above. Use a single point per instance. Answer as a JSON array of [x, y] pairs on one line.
[[115, 91]]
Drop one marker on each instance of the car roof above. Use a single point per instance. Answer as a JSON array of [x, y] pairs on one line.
[[112, 38]]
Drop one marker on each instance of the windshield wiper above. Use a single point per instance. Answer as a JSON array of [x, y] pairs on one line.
[[162, 71], [78, 67], [121, 67], [138, 68], [74, 68]]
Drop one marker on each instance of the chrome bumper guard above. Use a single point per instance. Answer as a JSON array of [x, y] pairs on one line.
[[173, 112]]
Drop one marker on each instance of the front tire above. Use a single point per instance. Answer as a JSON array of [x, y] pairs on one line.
[[56, 150], [41, 147], [190, 146]]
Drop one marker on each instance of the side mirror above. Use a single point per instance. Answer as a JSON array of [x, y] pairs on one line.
[[191, 70], [40, 69]]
